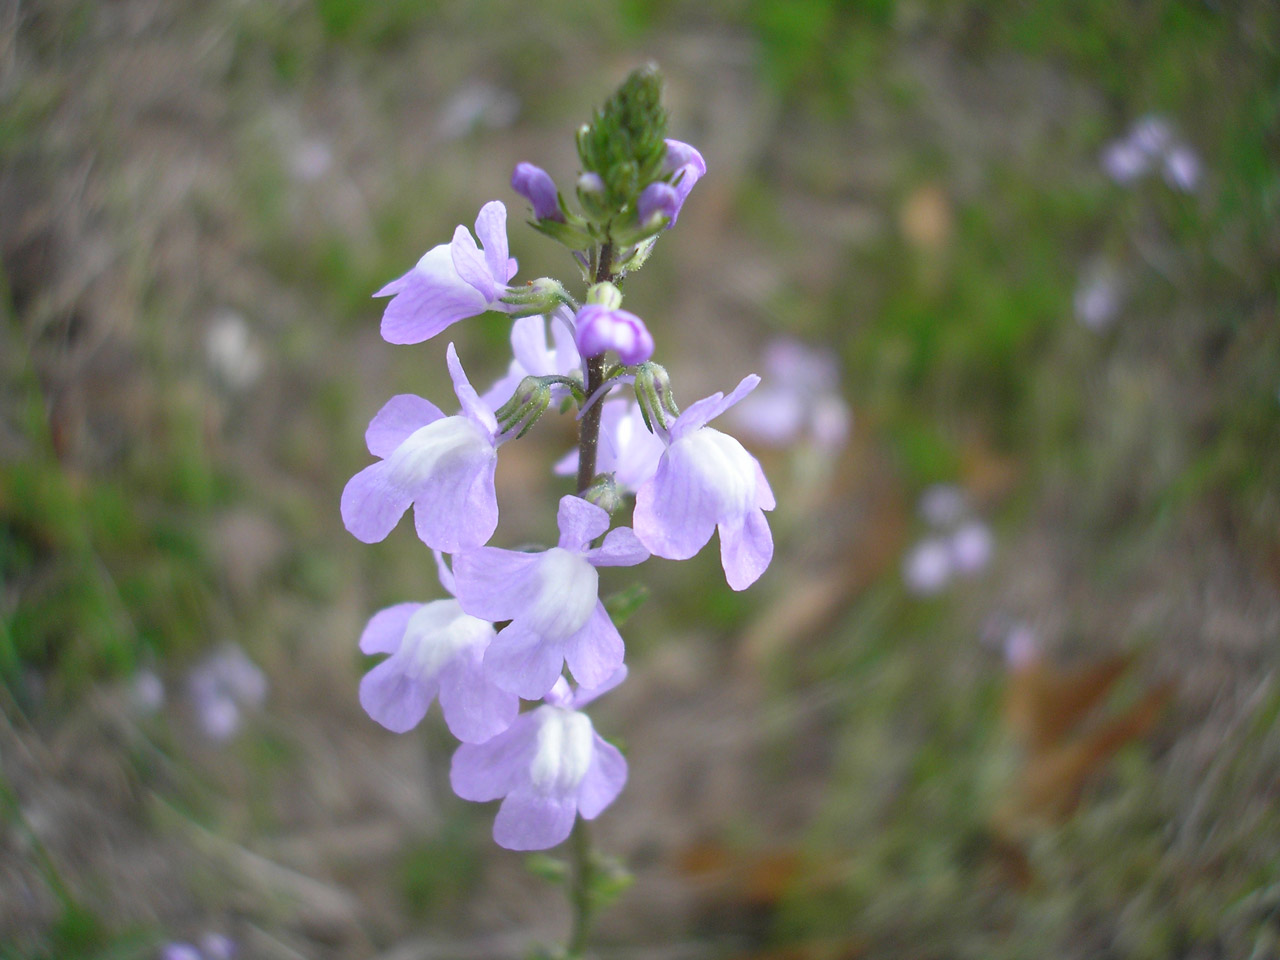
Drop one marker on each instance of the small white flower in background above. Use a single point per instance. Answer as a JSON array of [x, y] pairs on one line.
[[232, 354], [1099, 294], [959, 546], [1151, 143], [222, 685], [971, 548]]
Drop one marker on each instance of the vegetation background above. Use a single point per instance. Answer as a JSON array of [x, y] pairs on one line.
[[196, 202]]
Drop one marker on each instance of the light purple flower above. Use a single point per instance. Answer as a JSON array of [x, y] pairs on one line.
[[532, 357], [435, 649], [942, 504], [1151, 134], [179, 951], [1182, 168], [1099, 295], [146, 692], [221, 685], [706, 481], [627, 449], [547, 768], [927, 568], [552, 601], [685, 161], [444, 466], [601, 328], [451, 282], [801, 396], [971, 548], [1124, 162], [217, 946], [535, 185]]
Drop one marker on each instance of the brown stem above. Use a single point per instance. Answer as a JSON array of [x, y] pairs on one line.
[[589, 428]]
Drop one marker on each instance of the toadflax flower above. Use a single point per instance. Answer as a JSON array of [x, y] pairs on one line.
[[552, 600], [685, 161], [601, 328], [706, 480], [532, 357], [435, 649], [535, 185], [451, 282], [800, 398], [549, 766], [444, 466]]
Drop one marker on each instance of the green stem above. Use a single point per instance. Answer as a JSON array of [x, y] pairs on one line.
[[580, 891]]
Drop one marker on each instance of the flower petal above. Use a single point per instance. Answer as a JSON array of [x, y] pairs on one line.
[[704, 411], [522, 662], [385, 629], [429, 298], [397, 420], [495, 584], [746, 547], [621, 548], [470, 264], [674, 516], [532, 821], [764, 493], [596, 651], [459, 510], [493, 769], [392, 698], [475, 708], [491, 228], [372, 504], [580, 522], [585, 695], [444, 573], [605, 779], [475, 408]]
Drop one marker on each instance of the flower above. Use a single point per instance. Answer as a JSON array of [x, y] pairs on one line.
[[942, 505], [220, 685], [178, 950], [801, 396], [602, 328], [927, 568], [451, 282], [627, 449], [1182, 168], [1099, 295], [444, 466], [658, 198], [552, 601], [705, 481], [971, 548], [549, 766], [535, 185], [533, 358], [435, 649], [686, 162]]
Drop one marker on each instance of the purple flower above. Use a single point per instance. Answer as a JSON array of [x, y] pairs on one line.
[[533, 358], [549, 766], [451, 282], [179, 951], [218, 946], [627, 449], [552, 601], [971, 548], [435, 649], [942, 505], [686, 162], [1099, 295], [927, 568], [1182, 168], [220, 686], [444, 466], [535, 185], [602, 328], [801, 396], [706, 480], [1124, 161]]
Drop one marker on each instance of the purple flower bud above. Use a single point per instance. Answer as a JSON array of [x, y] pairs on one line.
[[658, 198], [680, 154], [601, 329], [535, 185]]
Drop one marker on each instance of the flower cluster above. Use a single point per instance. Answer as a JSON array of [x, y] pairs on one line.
[[959, 546], [518, 624], [1150, 144]]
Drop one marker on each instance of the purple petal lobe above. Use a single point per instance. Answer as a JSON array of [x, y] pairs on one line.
[[531, 821], [489, 770], [373, 503], [523, 662], [746, 547], [704, 411], [475, 708], [474, 408], [674, 516], [535, 185], [399, 418], [429, 298], [394, 699], [385, 629], [605, 779], [621, 548], [585, 695], [580, 522], [471, 265], [491, 228], [596, 651], [495, 584]]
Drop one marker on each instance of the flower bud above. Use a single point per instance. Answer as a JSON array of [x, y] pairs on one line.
[[681, 154], [655, 397], [605, 295], [535, 185], [601, 328], [526, 405], [537, 297], [658, 199], [604, 493]]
